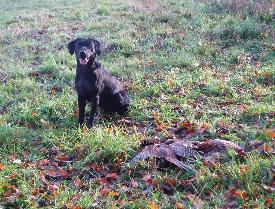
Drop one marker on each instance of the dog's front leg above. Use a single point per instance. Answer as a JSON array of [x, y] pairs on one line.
[[81, 108], [95, 102]]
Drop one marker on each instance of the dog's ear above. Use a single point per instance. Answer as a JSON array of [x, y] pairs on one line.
[[71, 46], [97, 46]]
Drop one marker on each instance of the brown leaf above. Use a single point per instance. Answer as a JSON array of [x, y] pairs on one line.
[[268, 202], [75, 207], [257, 64], [43, 162], [35, 191], [155, 114], [229, 194], [111, 176], [172, 181], [236, 193], [242, 194], [76, 113], [13, 175], [146, 177], [266, 148], [104, 190], [102, 181], [186, 124], [64, 173], [114, 194], [52, 187], [2, 167], [153, 205], [243, 169], [63, 158], [179, 205], [51, 173], [43, 177], [134, 183], [77, 182]]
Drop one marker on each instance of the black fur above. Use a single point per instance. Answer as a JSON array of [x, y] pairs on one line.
[[93, 83]]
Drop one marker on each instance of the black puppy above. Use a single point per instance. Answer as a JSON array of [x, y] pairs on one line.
[[93, 83]]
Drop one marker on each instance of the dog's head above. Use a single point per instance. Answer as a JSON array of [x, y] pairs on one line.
[[121, 101], [85, 50]]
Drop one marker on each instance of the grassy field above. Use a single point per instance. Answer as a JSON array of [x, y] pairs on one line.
[[207, 67]]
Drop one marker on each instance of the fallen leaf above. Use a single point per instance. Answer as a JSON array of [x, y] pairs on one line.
[[102, 181], [104, 190], [229, 194], [75, 207], [52, 187], [172, 181], [13, 175], [161, 127], [241, 194], [243, 169], [179, 205], [64, 173], [268, 202], [51, 173], [77, 182], [114, 194], [257, 91], [35, 191], [134, 183], [271, 134], [170, 82], [146, 177], [155, 114], [257, 64], [63, 158], [2, 167], [206, 125], [186, 124], [266, 148], [76, 113], [153, 205], [43, 162], [111, 176]]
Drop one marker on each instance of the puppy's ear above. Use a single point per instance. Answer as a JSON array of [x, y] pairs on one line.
[[97, 46], [71, 46]]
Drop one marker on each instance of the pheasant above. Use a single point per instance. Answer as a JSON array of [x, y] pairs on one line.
[[165, 152], [171, 149]]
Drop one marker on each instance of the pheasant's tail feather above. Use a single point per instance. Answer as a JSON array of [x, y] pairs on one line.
[[181, 165]]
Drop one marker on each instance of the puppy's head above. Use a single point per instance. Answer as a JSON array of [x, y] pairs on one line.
[[85, 50]]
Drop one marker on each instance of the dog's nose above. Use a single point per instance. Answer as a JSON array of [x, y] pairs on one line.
[[82, 54]]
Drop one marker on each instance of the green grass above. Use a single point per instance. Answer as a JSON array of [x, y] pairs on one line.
[[196, 61]]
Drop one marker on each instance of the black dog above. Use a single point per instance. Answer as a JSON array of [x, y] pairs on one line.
[[93, 83]]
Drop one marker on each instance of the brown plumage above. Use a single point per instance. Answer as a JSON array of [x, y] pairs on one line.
[[217, 145], [163, 151], [184, 149], [171, 149]]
